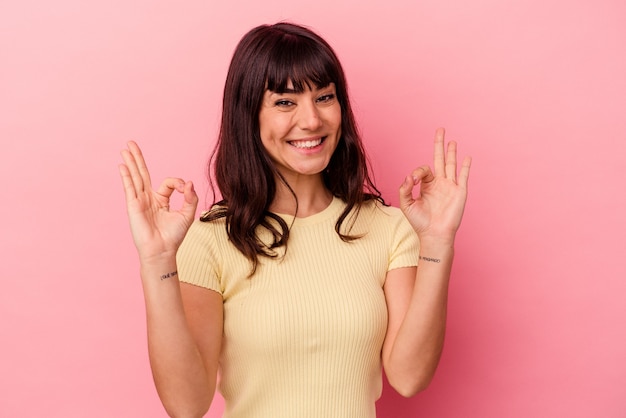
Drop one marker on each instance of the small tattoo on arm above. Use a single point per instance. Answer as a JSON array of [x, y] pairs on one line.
[[434, 260], [168, 275]]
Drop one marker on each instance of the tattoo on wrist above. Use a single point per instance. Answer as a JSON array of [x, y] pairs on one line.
[[168, 275], [433, 260]]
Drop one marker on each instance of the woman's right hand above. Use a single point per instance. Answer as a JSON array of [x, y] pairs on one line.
[[157, 231]]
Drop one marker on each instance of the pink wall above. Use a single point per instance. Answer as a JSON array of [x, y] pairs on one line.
[[535, 91]]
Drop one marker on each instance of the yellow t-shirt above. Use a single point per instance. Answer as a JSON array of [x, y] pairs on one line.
[[303, 336]]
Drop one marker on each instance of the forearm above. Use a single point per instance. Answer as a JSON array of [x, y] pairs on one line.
[[413, 359], [183, 382]]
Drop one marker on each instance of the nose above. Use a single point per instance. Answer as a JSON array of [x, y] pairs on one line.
[[309, 116]]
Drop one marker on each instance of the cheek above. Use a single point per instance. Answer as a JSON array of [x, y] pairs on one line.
[[274, 128], [339, 125], [335, 120]]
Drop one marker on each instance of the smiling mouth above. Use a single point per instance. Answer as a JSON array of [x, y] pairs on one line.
[[307, 144]]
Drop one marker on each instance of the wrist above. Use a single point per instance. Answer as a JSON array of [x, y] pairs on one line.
[[436, 251], [439, 243], [157, 258], [158, 268]]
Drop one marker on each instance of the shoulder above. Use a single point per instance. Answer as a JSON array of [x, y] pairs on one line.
[[375, 211], [375, 219], [204, 228], [203, 237], [389, 211], [199, 256]]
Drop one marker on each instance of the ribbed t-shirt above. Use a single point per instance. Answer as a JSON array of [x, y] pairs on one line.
[[303, 336]]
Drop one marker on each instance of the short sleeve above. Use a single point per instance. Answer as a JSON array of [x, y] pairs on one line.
[[198, 257], [405, 245]]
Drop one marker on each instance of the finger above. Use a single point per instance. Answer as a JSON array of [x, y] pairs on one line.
[[167, 187], [406, 192], [423, 174], [141, 164], [133, 170], [127, 182], [451, 161], [191, 200], [419, 175], [464, 172], [439, 163]]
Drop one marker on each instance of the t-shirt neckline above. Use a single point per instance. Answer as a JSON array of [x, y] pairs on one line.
[[332, 210]]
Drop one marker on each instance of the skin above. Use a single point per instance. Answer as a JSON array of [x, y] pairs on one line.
[[433, 202], [288, 119], [185, 322]]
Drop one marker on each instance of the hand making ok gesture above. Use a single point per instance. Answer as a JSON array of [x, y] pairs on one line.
[[436, 210], [157, 231]]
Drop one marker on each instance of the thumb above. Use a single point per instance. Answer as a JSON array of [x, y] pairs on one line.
[[406, 192], [190, 202]]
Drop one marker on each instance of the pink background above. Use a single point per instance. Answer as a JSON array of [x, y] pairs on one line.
[[534, 90]]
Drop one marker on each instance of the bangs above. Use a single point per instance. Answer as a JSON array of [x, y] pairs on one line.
[[299, 61]]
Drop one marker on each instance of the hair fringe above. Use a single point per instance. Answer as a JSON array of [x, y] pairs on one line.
[[271, 57]]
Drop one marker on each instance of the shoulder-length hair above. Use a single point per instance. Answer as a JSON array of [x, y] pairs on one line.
[[269, 57]]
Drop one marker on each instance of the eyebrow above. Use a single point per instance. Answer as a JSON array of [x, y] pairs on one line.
[[294, 91], [271, 93]]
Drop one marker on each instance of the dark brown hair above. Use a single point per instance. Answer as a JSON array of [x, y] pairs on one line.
[[268, 58]]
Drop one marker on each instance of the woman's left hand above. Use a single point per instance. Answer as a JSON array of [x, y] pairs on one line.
[[437, 209]]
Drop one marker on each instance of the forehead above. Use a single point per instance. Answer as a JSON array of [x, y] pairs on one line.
[[307, 85], [299, 76]]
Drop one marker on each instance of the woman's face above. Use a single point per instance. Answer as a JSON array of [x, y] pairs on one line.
[[300, 131]]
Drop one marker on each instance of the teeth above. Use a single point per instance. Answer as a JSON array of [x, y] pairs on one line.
[[306, 144]]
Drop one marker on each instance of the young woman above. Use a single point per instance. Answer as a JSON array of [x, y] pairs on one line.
[[299, 286]]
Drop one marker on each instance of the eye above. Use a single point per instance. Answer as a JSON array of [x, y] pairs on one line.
[[326, 98], [283, 103]]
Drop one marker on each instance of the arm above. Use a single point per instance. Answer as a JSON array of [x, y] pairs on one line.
[[184, 324], [184, 339], [417, 297]]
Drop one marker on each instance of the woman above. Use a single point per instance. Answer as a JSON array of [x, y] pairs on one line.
[[300, 284]]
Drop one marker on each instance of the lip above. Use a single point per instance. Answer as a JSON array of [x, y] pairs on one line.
[[311, 149], [311, 138]]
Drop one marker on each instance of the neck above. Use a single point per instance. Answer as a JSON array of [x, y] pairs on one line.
[[311, 194]]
